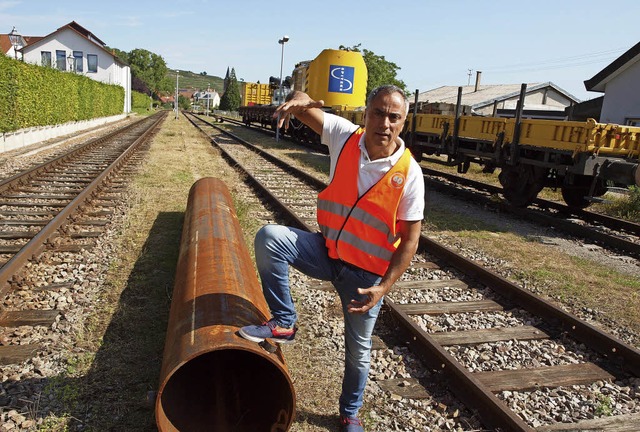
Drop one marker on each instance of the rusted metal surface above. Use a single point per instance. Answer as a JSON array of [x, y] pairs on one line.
[[211, 378]]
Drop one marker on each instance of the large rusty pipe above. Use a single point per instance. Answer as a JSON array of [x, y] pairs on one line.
[[211, 378]]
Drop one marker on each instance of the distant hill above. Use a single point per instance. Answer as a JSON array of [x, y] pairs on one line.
[[196, 81]]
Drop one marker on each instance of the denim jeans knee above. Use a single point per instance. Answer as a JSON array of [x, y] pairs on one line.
[[276, 248]]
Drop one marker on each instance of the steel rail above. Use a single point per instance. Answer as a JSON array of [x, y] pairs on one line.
[[39, 242], [608, 221], [624, 356], [539, 217], [35, 170]]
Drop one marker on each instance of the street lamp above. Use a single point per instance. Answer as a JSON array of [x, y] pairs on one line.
[[282, 41], [71, 61], [16, 40]]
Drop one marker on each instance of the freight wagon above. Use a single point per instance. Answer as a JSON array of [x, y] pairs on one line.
[[582, 159], [255, 94]]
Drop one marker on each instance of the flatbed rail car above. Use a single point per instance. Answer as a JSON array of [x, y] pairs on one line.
[[580, 158]]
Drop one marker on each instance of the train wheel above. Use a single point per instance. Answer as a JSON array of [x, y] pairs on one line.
[[521, 184], [574, 196]]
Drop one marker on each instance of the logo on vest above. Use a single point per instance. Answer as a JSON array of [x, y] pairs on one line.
[[397, 180]]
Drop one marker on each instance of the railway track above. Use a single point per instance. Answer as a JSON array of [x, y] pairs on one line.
[[549, 352], [607, 231], [51, 213]]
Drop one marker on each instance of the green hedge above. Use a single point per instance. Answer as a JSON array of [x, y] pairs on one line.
[[32, 95], [139, 100]]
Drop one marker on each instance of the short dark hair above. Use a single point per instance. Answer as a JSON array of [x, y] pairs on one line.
[[388, 89]]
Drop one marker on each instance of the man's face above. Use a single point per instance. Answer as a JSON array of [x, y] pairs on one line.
[[384, 120]]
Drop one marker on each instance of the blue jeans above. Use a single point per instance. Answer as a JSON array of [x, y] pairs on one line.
[[277, 247]]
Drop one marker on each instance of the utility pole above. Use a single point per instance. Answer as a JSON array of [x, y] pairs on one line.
[[469, 74], [208, 97], [177, 75]]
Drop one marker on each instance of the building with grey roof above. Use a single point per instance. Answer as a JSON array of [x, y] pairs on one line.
[[542, 100]]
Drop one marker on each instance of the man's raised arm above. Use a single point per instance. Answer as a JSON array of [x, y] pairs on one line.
[[303, 108]]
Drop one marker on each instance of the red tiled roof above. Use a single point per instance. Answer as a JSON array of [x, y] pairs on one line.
[[5, 42]]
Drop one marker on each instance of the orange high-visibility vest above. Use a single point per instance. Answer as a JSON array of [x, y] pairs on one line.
[[361, 231]]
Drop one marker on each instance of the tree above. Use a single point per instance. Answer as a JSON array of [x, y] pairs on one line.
[[230, 100], [150, 68], [140, 86], [184, 102], [122, 55], [226, 81], [380, 70]]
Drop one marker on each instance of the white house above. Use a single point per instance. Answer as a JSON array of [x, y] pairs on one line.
[[620, 83], [212, 96], [76, 49]]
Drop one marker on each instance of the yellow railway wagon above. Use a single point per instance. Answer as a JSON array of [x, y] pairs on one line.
[[255, 94], [578, 137], [431, 123], [572, 136], [353, 114], [481, 128], [581, 158]]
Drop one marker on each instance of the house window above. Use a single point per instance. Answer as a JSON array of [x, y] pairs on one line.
[[61, 60], [45, 58], [633, 122], [92, 63], [77, 57]]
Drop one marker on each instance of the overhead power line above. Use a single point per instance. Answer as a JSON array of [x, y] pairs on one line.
[[558, 63]]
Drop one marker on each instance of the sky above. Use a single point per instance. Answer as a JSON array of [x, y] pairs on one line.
[[435, 43]]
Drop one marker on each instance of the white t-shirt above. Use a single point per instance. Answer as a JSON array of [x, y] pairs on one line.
[[335, 132]]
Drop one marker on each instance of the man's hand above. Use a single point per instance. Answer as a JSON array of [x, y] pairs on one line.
[[373, 296], [304, 108]]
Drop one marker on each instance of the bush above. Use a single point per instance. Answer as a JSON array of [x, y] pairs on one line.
[[139, 101], [32, 95], [628, 207]]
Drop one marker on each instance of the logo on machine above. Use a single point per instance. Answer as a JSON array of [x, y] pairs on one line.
[[341, 79]]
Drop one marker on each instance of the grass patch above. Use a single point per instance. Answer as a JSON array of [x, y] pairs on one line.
[[442, 220], [624, 207]]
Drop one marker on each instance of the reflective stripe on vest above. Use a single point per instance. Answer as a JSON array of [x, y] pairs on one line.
[[361, 231]]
